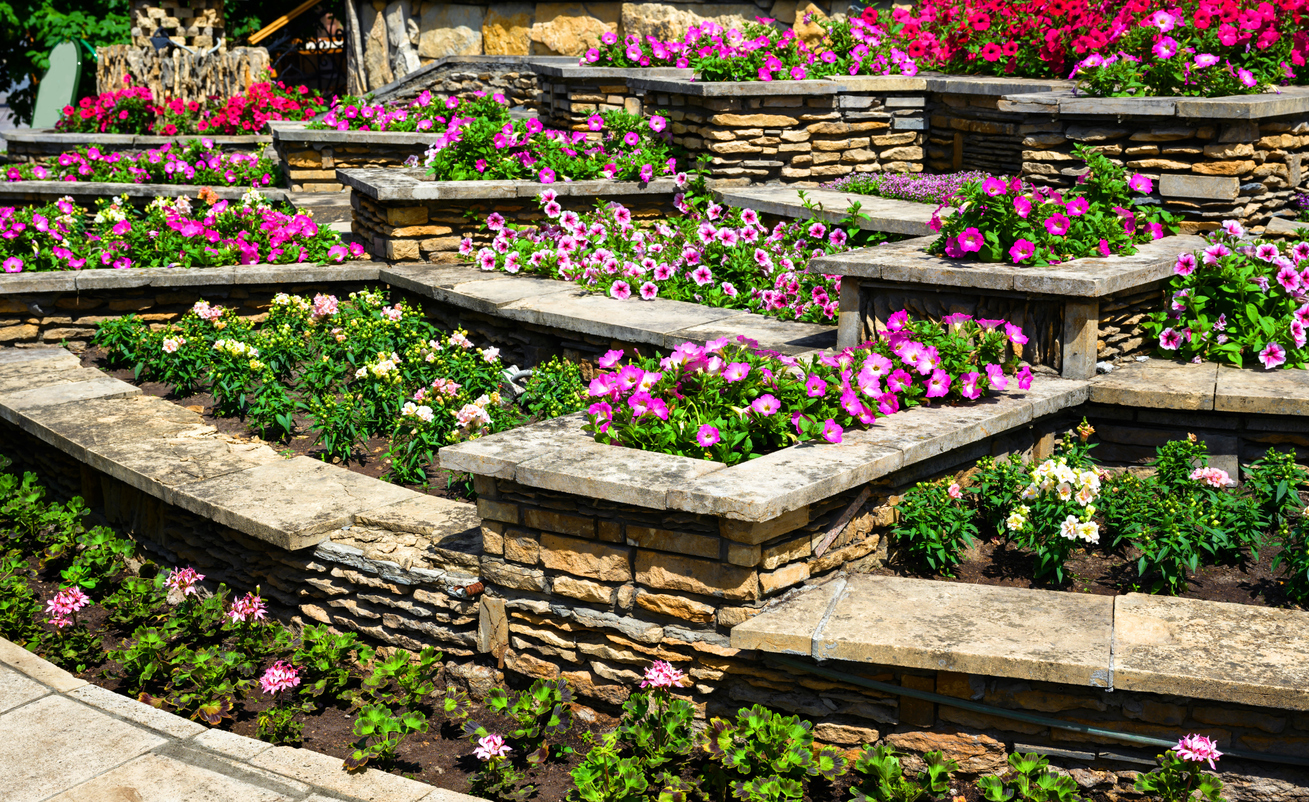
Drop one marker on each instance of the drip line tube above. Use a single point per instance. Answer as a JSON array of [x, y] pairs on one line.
[[1017, 715]]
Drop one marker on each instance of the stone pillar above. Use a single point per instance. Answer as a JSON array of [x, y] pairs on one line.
[[196, 24]]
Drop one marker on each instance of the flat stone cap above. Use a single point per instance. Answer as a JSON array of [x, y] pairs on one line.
[[889, 215], [388, 184]]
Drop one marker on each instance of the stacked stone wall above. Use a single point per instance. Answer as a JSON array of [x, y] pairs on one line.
[[567, 103], [311, 165]]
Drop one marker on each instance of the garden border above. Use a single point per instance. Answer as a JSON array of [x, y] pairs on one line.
[[42, 142], [30, 193]]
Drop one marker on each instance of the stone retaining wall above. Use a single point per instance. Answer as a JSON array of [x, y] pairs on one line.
[[43, 143], [462, 76], [790, 131], [310, 159]]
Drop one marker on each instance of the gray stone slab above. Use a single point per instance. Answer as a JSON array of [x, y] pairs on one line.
[[40, 356], [676, 86], [1037, 635], [613, 473], [1259, 392], [788, 628], [498, 455], [22, 377], [1204, 187], [602, 316], [293, 504], [75, 743], [12, 404], [1288, 100], [427, 279], [431, 516], [192, 276], [17, 689], [230, 744], [164, 778], [1282, 226], [137, 712], [305, 273], [1132, 106], [74, 428], [33, 667], [1034, 103], [25, 283], [487, 293], [156, 465], [325, 771], [1211, 650], [112, 279], [783, 336], [881, 83], [1158, 384], [578, 73], [875, 213], [992, 85]]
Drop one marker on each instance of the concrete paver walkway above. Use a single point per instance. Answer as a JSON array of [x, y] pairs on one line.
[[64, 740]]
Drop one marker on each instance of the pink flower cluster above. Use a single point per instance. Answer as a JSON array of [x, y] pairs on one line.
[[491, 747], [184, 580], [661, 674], [64, 604], [279, 677], [424, 113], [1198, 749], [1214, 477], [196, 163], [248, 608]]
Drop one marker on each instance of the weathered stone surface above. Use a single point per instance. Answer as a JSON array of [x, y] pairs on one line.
[[669, 572], [669, 22], [450, 30], [975, 753], [1190, 648], [157, 777], [676, 607], [499, 455], [586, 558], [77, 743], [1240, 167], [1259, 392], [126, 707], [33, 667], [1203, 187], [582, 589], [1158, 383], [325, 771], [506, 29], [790, 627], [568, 29], [624, 475], [753, 120], [17, 689], [677, 542], [979, 629], [844, 734]]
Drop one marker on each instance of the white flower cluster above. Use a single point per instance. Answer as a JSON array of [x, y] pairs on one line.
[[1055, 477], [384, 366], [235, 348], [253, 199], [112, 213], [422, 412], [299, 302]]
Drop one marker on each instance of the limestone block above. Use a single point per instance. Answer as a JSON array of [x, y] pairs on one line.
[[753, 120], [1223, 167], [676, 607], [568, 29], [669, 22], [450, 30], [377, 61], [1229, 151], [404, 59], [586, 558], [506, 29]]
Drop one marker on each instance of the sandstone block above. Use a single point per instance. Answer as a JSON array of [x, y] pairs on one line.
[[406, 215], [670, 572], [1229, 151], [783, 578], [582, 589], [678, 542], [568, 29], [753, 120], [520, 547], [551, 521], [1223, 167], [844, 734], [676, 607], [902, 154], [586, 558]]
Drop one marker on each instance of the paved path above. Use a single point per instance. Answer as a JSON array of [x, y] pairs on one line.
[[64, 740]]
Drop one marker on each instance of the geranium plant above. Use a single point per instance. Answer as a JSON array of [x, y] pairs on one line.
[[998, 221], [729, 401], [135, 110], [196, 162], [1239, 300], [712, 254], [170, 232]]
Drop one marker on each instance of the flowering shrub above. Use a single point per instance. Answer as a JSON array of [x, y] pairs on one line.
[[196, 162], [730, 401], [170, 231], [1208, 48], [933, 527], [1057, 509], [719, 256], [133, 110], [423, 113], [998, 221], [918, 187], [361, 368], [1239, 301], [488, 145], [1179, 777]]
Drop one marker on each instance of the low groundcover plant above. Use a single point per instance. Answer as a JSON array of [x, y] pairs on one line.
[[918, 187], [1239, 300], [729, 401], [998, 221], [206, 232], [196, 162]]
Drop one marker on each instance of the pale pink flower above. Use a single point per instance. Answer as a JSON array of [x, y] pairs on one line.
[[184, 581], [491, 747], [955, 491], [279, 677], [661, 674], [1198, 749]]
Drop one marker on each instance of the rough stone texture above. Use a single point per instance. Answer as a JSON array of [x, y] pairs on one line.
[[447, 29], [1187, 647], [1161, 383]]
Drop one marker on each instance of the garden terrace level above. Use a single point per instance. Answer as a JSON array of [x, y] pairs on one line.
[[887, 215], [1062, 308], [41, 144], [401, 216], [86, 193], [570, 93], [310, 158], [529, 319]]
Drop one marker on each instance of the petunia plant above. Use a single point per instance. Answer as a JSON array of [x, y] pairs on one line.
[[998, 221], [730, 401], [1239, 300], [196, 162]]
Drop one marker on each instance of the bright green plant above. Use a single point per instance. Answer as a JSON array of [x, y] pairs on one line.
[[380, 731], [1057, 507], [1293, 559], [1274, 483], [995, 485], [538, 712], [934, 527], [762, 755], [1179, 777], [1028, 779], [605, 775], [403, 681], [207, 680], [325, 660], [884, 779], [555, 388], [144, 658]]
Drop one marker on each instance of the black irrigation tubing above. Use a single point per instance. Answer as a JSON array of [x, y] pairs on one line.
[[1017, 715]]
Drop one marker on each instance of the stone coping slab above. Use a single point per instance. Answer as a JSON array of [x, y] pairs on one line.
[[171, 454], [574, 71], [1189, 648], [419, 76], [889, 215], [411, 183], [1289, 100], [527, 299], [1213, 650], [1206, 386], [87, 191], [66, 740], [1080, 278], [52, 136], [549, 455], [690, 86], [299, 133]]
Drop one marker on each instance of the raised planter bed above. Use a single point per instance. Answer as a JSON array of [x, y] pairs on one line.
[[310, 158], [35, 144], [402, 216], [888, 215], [86, 193], [1063, 308], [569, 93]]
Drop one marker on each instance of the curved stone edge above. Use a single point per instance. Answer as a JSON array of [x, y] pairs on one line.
[[179, 738]]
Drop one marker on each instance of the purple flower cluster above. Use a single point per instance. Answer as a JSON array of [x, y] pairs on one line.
[[917, 187]]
